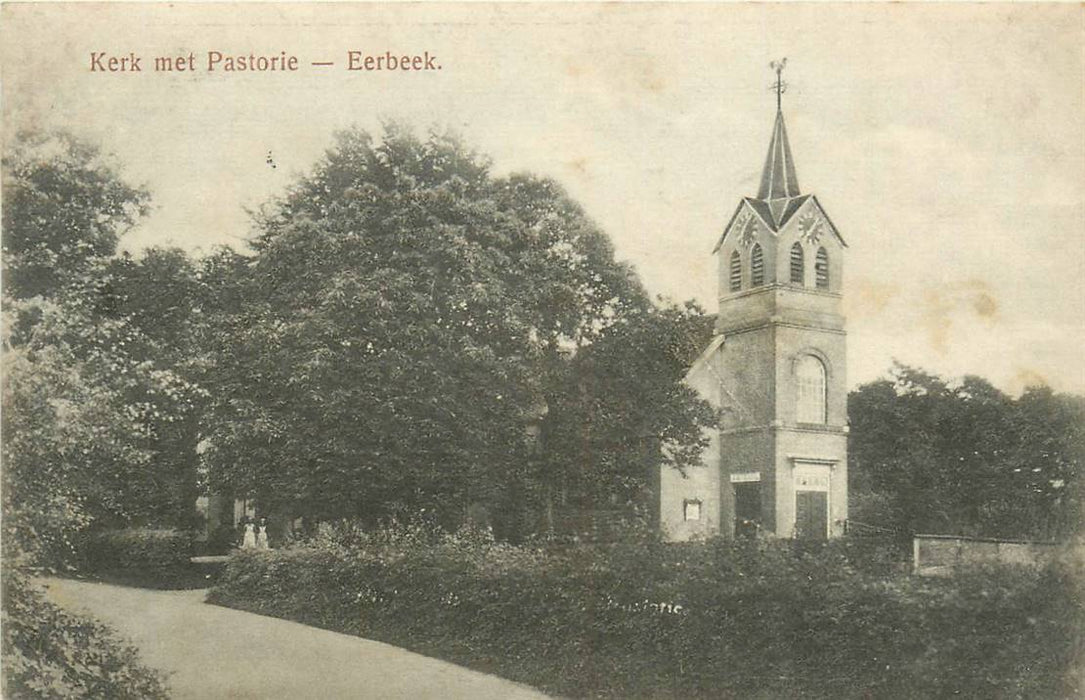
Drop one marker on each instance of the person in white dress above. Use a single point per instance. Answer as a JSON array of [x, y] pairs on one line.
[[249, 540], [261, 535]]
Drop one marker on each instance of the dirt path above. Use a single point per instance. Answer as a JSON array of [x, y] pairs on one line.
[[212, 652]]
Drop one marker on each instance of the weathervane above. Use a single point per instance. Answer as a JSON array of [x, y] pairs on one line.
[[780, 86]]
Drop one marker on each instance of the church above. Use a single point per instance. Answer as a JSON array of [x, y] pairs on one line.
[[775, 371]]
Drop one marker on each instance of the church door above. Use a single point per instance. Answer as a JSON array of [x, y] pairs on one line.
[[747, 509], [811, 515]]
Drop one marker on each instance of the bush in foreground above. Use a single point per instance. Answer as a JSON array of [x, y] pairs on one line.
[[49, 653], [702, 620]]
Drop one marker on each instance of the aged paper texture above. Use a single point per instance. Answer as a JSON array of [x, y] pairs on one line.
[[946, 142]]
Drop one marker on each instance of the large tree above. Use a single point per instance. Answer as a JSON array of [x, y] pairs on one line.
[[404, 320], [91, 396], [926, 455]]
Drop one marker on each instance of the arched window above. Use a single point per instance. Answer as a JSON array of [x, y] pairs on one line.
[[757, 266], [736, 271], [810, 376], [797, 266], [821, 269]]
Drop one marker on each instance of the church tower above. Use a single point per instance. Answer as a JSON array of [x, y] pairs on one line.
[[775, 369]]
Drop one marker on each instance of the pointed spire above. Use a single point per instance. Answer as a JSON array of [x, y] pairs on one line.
[[778, 181]]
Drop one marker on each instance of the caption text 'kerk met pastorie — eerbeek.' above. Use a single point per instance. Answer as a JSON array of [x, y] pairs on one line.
[[217, 61]]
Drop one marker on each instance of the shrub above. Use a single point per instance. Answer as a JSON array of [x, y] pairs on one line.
[[880, 555], [1019, 632], [49, 653], [711, 619], [223, 538], [136, 549]]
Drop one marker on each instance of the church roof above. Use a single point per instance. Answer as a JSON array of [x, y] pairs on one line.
[[764, 212], [778, 198], [777, 212], [778, 180]]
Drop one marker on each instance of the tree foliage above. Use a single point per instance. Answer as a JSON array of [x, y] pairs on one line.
[[404, 320], [65, 207], [929, 456], [620, 400], [90, 395]]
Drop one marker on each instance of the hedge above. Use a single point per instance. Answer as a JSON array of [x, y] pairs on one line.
[[701, 620], [49, 653], [145, 549]]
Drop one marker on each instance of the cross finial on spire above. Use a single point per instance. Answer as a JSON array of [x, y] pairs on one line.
[[779, 85]]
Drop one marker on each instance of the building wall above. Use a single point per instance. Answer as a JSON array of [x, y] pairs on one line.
[[803, 446], [942, 555], [746, 451], [699, 482], [749, 373], [751, 377]]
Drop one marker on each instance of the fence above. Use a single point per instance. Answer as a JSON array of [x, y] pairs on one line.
[[940, 555]]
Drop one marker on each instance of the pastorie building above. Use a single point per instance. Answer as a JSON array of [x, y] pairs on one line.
[[777, 464]]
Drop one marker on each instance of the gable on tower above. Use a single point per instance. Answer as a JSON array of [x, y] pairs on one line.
[[751, 209], [812, 221]]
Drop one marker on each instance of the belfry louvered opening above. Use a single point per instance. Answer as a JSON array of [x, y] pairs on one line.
[[797, 265], [757, 266], [736, 271], [821, 268]]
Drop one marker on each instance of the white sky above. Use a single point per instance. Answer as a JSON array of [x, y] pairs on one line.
[[946, 142]]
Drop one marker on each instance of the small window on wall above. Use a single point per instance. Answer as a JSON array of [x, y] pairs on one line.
[[691, 509], [821, 268], [736, 271], [810, 379], [757, 266], [798, 267]]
